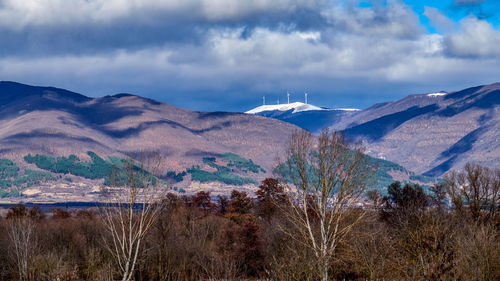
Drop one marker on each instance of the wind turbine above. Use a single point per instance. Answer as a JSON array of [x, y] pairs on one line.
[[263, 100], [305, 97], [288, 97]]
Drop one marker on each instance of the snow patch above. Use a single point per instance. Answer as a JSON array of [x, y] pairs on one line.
[[348, 109], [296, 106], [436, 94]]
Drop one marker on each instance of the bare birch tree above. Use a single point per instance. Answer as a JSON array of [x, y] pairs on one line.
[[133, 205], [23, 243], [324, 178], [475, 191]]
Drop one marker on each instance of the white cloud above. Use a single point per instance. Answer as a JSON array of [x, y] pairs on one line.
[[265, 61], [396, 19], [18, 14], [354, 50], [476, 38], [440, 21]]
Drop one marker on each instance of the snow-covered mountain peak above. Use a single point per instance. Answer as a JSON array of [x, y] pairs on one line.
[[296, 106], [437, 94]]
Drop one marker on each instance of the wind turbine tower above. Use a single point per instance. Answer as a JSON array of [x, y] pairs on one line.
[[305, 97], [263, 100], [288, 97]]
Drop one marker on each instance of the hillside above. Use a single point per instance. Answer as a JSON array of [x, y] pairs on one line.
[[433, 133], [427, 133], [56, 145], [58, 123], [55, 121]]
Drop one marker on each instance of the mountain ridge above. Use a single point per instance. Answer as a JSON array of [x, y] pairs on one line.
[[55, 122], [47, 128], [429, 133]]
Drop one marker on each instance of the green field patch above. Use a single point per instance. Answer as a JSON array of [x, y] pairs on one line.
[[30, 178], [227, 171], [210, 161], [8, 169], [381, 178], [128, 172], [113, 171], [11, 180], [176, 177], [5, 183], [96, 168], [225, 177], [234, 160], [12, 193]]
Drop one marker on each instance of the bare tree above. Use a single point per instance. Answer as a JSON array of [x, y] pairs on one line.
[[475, 191], [325, 178], [21, 231], [133, 205]]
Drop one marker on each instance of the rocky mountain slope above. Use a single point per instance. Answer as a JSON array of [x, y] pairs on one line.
[[426, 133], [55, 122], [433, 133], [59, 146]]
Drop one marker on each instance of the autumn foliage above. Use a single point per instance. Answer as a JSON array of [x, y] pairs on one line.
[[411, 234]]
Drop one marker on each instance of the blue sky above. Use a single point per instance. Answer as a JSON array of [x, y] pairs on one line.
[[226, 54], [457, 10]]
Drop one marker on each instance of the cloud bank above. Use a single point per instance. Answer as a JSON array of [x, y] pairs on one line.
[[224, 55]]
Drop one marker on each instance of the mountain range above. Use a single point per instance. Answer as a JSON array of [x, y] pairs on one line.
[[56, 121], [429, 133], [57, 145], [48, 122]]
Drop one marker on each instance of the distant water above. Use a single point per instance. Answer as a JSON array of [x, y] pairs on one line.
[[47, 207]]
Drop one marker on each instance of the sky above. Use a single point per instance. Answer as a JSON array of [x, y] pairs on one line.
[[225, 55]]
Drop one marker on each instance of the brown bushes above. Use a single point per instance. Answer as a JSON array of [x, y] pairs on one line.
[[412, 236]]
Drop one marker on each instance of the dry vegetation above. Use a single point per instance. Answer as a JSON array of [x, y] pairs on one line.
[[408, 235], [309, 230]]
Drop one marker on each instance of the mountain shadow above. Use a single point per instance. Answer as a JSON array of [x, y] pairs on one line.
[[478, 100], [463, 93], [441, 168], [378, 128], [12, 91], [462, 146]]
